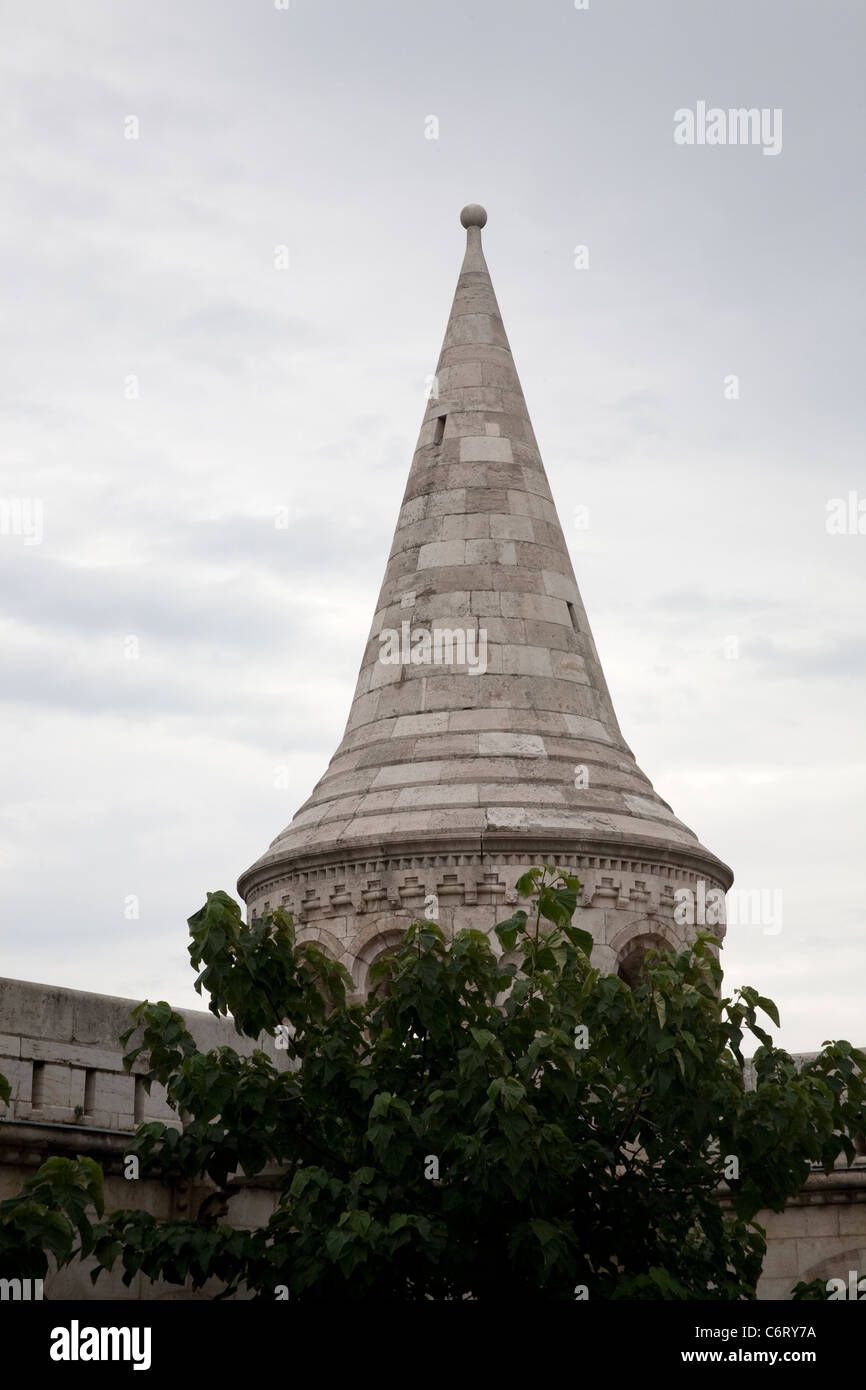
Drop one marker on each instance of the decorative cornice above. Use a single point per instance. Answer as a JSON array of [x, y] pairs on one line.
[[623, 853]]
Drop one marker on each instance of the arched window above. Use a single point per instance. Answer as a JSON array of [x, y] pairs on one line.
[[509, 958], [385, 944], [633, 955]]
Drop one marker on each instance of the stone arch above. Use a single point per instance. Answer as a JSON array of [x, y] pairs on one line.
[[508, 958], [837, 1266], [643, 927], [632, 945], [329, 944], [377, 940]]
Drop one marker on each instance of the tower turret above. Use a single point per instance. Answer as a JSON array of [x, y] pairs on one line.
[[482, 738]]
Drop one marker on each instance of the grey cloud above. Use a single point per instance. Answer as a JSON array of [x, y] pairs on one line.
[[700, 601], [182, 600], [229, 337], [261, 126], [283, 712], [309, 544], [841, 658]]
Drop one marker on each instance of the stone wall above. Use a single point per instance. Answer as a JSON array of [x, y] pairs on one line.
[[70, 1095], [60, 1050], [821, 1234]]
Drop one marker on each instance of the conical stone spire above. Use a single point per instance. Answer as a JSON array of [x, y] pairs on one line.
[[482, 737]]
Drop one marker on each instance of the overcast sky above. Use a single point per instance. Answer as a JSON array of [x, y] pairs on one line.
[[168, 393]]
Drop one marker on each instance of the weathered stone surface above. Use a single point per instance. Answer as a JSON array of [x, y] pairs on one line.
[[71, 1095], [496, 753]]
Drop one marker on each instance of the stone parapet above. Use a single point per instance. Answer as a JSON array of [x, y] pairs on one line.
[[60, 1050]]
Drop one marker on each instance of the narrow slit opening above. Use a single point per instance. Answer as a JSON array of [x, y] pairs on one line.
[[37, 1091], [89, 1091], [439, 431], [572, 615]]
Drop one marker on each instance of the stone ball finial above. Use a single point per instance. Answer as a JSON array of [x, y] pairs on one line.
[[473, 215]]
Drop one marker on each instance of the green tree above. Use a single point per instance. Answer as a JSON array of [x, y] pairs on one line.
[[475, 1127], [50, 1216]]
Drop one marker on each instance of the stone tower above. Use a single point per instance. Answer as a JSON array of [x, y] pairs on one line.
[[482, 738]]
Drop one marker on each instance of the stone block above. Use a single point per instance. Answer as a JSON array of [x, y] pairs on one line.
[[512, 745], [455, 692], [446, 746], [484, 401], [36, 1011], [782, 1260], [775, 1290], [451, 501], [520, 792], [406, 698], [462, 374], [816, 1220], [779, 1223], [463, 794], [440, 554], [422, 723], [552, 610], [53, 1080], [404, 773], [467, 720], [310, 817], [504, 526], [18, 1073], [521, 503], [561, 585], [485, 447], [363, 710], [487, 499], [527, 661], [485, 603], [385, 673], [417, 534], [474, 527], [474, 329], [452, 603], [487, 552], [852, 1219], [471, 819], [815, 1250], [534, 481], [506, 631], [569, 666], [44, 1049], [489, 477], [413, 511]]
